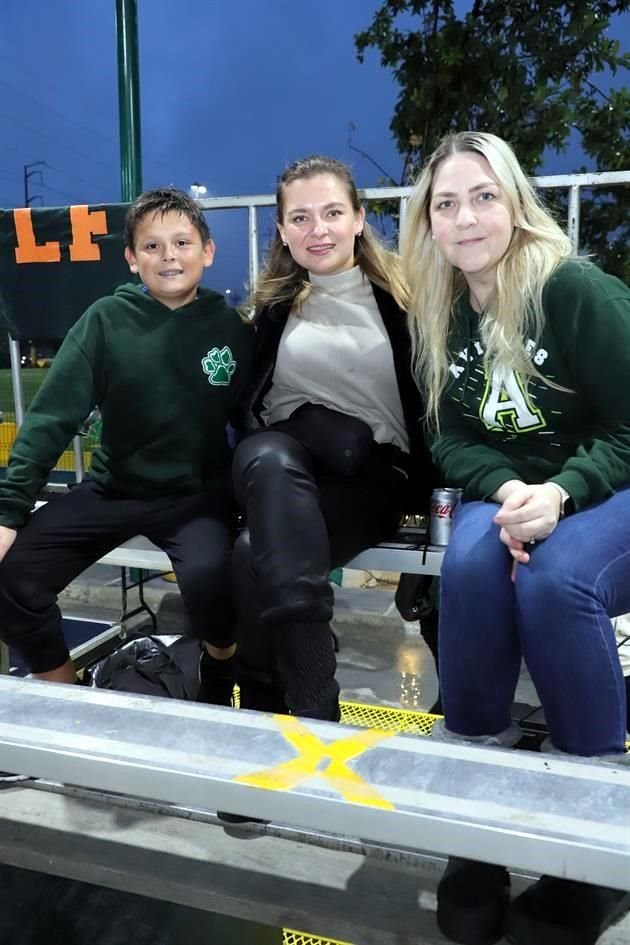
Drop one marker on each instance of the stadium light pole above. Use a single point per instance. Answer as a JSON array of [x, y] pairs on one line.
[[128, 99], [197, 190]]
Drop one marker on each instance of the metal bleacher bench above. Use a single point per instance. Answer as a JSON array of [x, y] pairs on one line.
[[411, 801], [407, 553]]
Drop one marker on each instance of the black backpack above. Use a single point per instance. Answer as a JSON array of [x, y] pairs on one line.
[[150, 667]]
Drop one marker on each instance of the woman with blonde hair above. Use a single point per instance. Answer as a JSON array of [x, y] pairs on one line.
[[335, 414], [523, 354]]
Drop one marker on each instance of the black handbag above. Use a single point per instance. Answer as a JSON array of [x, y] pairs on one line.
[[337, 441], [146, 665]]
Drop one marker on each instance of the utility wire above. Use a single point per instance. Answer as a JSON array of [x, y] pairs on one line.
[[72, 121], [72, 174], [10, 177], [59, 143], [61, 193]]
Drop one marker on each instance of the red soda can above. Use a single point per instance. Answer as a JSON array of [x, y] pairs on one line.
[[443, 505]]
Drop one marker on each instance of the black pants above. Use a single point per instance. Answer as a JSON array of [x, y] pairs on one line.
[[72, 531], [302, 521]]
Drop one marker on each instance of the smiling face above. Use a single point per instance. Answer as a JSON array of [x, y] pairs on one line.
[[170, 257], [319, 224], [471, 220]]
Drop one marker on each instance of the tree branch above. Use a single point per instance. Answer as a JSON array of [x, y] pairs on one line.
[[367, 156], [598, 90]]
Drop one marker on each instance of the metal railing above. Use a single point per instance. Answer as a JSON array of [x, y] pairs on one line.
[[573, 183]]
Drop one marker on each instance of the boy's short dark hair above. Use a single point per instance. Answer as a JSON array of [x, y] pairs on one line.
[[164, 200]]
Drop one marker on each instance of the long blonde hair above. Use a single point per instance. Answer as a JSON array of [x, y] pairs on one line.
[[514, 310], [284, 281]]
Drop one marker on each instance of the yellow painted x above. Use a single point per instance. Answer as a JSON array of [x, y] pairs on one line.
[[318, 758]]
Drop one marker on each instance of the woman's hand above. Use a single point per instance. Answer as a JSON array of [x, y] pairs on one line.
[[530, 513], [7, 537], [527, 514], [516, 549]]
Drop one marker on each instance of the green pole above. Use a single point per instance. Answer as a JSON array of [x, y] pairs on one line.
[[128, 99]]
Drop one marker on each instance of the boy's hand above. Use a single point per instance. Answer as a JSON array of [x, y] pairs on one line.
[[7, 537]]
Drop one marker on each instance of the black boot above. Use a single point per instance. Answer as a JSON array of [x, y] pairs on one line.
[[264, 697], [563, 912], [472, 899], [216, 679], [305, 662]]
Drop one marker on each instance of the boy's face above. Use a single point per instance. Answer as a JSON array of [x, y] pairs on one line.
[[170, 257]]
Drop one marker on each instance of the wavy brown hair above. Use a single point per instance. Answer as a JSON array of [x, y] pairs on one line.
[[283, 281]]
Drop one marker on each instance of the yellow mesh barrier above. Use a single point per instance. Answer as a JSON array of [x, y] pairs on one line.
[[66, 463], [390, 720], [378, 716], [7, 436], [291, 937]]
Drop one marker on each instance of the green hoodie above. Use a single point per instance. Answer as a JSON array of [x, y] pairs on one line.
[[165, 381], [579, 438]]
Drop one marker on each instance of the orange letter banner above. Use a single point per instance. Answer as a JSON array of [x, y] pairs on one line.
[[27, 250], [84, 224], [56, 261]]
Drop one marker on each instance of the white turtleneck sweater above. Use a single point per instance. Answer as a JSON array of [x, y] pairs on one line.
[[336, 352]]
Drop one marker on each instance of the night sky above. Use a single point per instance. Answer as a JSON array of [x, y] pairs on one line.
[[231, 91]]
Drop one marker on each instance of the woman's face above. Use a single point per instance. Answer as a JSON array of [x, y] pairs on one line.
[[319, 224], [471, 220]]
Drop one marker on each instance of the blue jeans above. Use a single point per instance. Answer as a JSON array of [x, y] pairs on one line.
[[556, 615]]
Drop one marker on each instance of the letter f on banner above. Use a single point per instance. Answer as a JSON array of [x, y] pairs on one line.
[[85, 223], [507, 406]]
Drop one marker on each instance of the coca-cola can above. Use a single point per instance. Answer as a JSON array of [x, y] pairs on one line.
[[443, 505]]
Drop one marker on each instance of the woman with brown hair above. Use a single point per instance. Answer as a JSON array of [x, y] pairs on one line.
[[337, 442]]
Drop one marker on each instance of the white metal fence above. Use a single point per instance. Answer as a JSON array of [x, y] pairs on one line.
[[572, 183]]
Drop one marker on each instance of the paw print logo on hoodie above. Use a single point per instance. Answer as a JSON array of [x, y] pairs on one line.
[[219, 365]]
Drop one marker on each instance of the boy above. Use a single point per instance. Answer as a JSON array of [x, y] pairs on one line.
[[164, 361]]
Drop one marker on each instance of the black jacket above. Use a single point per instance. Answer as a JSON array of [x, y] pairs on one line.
[[270, 324]]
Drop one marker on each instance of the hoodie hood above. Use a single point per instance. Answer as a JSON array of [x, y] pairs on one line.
[[135, 294]]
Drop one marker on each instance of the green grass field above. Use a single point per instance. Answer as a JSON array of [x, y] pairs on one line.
[[31, 382], [32, 379]]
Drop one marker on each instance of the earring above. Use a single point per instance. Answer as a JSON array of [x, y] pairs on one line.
[[133, 268], [360, 233], [284, 244], [432, 236]]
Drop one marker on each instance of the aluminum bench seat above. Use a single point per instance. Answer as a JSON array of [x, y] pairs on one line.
[[400, 555], [539, 813]]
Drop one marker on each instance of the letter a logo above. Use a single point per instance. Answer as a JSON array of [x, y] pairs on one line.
[[506, 405]]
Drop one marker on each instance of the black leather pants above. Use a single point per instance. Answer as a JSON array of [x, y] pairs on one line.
[[302, 521]]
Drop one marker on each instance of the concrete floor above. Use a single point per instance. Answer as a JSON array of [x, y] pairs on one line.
[[39, 909], [382, 660]]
